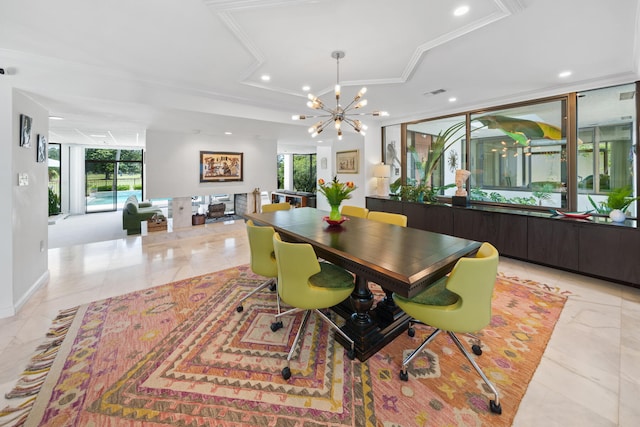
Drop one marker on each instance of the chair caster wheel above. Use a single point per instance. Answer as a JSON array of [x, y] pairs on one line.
[[404, 375], [286, 373], [496, 409], [477, 350], [351, 354], [275, 326], [411, 332], [239, 309], [272, 287]]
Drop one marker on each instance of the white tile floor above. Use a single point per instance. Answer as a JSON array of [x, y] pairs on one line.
[[589, 374]]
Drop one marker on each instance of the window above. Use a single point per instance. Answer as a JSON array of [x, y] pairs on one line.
[[55, 185], [435, 149], [304, 172], [518, 155], [111, 175], [606, 154]]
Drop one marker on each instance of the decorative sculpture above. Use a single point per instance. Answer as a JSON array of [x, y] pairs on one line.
[[461, 177]]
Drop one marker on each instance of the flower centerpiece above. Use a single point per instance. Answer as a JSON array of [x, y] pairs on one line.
[[335, 192]]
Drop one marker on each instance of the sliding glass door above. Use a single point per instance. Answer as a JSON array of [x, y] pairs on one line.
[[111, 175]]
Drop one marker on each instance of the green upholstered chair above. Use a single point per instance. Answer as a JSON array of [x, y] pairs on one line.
[[308, 285], [460, 302], [389, 218], [272, 207], [263, 260], [356, 211]]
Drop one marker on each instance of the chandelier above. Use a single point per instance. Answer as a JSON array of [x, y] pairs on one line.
[[338, 115]]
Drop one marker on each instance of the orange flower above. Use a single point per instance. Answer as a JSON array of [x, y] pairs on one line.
[[321, 181], [350, 184]]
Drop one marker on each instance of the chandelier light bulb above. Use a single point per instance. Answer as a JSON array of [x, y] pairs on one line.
[[360, 104], [337, 124], [339, 135], [337, 90], [360, 94]]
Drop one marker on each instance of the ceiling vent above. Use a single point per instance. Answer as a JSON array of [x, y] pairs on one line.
[[434, 92], [627, 95]]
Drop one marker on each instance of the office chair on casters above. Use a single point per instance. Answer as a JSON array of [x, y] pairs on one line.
[[460, 302], [263, 261], [272, 207], [389, 218], [356, 211], [308, 285]]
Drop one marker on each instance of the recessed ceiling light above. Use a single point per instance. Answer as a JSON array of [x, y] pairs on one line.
[[453, 99], [564, 74], [265, 77], [56, 118], [461, 10], [228, 133], [306, 88], [98, 136]]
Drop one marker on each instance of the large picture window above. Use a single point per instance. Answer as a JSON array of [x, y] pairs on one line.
[[606, 154], [112, 175], [434, 150], [575, 152], [518, 155]]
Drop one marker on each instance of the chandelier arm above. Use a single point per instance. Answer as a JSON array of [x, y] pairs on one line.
[[318, 116], [325, 109], [325, 124], [349, 122], [349, 106]]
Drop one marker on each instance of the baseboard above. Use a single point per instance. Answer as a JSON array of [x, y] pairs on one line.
[[42, 280], [11, 311]]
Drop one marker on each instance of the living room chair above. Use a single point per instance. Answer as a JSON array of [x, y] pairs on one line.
[[457, 303], [263, 261], [389, 218], [308, 285], [272, 207], [356, 211]]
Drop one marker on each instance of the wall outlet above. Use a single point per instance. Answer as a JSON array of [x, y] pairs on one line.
[[23, 179]]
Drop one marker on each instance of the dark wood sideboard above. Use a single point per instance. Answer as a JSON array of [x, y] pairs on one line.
[[595, 247]]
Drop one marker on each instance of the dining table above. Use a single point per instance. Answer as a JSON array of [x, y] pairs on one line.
[[398, 259]]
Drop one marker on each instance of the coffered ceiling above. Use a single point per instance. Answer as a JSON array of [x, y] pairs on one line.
[[113, 69]]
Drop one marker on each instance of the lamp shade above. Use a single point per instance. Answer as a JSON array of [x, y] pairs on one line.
[[382, 171]]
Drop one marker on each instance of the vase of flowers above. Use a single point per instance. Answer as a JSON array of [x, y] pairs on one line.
[[335, 192]]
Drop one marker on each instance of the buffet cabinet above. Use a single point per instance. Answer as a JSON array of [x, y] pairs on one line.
[[596, 248]]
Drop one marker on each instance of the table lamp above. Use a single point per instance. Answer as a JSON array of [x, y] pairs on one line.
[[382, 172]]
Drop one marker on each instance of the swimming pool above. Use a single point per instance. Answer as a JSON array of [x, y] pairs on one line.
[[103, 200]]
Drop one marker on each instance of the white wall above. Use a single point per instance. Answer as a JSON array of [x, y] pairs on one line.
[[172, 164], [6, 189], [369, 155], [24, 213]]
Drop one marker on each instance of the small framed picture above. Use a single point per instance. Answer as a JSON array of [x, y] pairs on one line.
[[42, 148], [25, 131], [218, 166], [347, 161]]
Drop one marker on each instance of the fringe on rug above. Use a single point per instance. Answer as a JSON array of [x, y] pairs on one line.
[[35, 373]]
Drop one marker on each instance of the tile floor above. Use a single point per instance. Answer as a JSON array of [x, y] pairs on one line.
[[589, 374]]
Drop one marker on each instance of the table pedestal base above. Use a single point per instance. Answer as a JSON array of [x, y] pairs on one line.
[[369, 329]]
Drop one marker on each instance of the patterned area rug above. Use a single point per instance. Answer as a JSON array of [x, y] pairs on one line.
[[180, 355]]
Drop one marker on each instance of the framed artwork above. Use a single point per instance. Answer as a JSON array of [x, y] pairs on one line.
[[42, 148], [217, 166], [347, 161], [25, 131]]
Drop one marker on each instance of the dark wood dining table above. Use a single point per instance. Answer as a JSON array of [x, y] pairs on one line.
[[399, 259]]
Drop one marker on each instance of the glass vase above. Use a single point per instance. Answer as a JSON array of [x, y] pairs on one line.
[[334, 215]]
